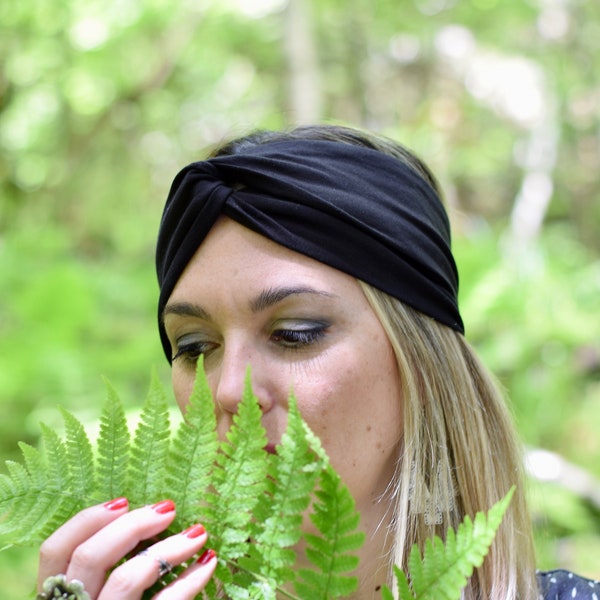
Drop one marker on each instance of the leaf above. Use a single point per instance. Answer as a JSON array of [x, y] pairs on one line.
[[80, 456], [149, 449], [254, 502], [443, 571], [334, 515], [192, 454], [292, 479], [59, 488], [113, 447], [17, 500], [37, 498], [240, 478]]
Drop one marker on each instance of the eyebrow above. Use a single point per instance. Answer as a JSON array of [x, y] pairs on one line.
[[185, 309], [272, 296], [264, 300]]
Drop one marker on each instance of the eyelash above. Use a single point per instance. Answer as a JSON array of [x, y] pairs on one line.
[[295, 339], [289, 339], [191, 352]]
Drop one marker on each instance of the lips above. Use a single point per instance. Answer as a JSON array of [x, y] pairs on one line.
[[271, 448]]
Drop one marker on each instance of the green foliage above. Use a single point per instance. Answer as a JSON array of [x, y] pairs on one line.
[[332, 549], [239, 490], [443, 570], [252, 502]]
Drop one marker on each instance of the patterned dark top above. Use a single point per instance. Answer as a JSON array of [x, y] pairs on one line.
[[564, 585]]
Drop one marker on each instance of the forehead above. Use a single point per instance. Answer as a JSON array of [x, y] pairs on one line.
[[233, 256]]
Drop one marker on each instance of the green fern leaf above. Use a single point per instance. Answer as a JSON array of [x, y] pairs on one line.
[[149, 449], [402, 585], [113, 448], [192, 454], [80, 455], [443, 571], [59, 475], [18, 499], [253, 501], [331, 552], [36, 503], [294, 472], [66, 499], [239, 478], [35, 465], [36, 499]]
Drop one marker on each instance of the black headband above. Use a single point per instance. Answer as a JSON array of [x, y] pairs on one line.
[[358, 210]]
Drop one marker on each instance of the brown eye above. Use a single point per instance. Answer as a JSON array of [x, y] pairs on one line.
[[190, 352], [297, 338]]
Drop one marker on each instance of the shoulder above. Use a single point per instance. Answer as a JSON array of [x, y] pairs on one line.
[[563, 585]]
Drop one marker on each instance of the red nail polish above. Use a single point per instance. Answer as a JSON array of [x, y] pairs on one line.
[[206, 557], [116, 504], [164, 507], [194, 531]]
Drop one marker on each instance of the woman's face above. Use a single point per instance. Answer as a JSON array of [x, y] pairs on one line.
[[245, 300]]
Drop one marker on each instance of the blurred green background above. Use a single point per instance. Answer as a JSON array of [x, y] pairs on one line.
[[102, 102]]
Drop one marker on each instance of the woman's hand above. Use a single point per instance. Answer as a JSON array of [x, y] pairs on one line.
[[89, 546]]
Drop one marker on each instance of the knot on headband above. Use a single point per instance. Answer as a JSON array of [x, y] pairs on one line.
[[353, 208]]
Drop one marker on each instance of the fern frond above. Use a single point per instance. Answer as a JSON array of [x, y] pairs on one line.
[[192, 454], [332, 552], [80, 456], [66, 498], [239, 478], [146, 474], [252, 502], [59, 474], [38, 497], [36, 503], [18, 499], [113, 448], [444, 569], [295, 469], [402, 585]]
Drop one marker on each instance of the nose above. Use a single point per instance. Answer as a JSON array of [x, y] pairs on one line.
[[237, 364]]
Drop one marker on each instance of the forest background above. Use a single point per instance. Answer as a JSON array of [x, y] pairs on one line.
[[101, 103]]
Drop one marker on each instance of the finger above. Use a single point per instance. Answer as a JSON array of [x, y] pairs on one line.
[[129, 580], [192, 581], [56, 551], [97, 555]]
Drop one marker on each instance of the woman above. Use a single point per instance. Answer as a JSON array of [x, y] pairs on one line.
[[321, 257]]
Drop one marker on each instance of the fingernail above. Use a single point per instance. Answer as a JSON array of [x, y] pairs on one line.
[[206, 557], [116, 504], [164, 507], [194, 531]]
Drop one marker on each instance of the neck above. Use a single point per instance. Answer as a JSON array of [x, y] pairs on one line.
[[375, 554]]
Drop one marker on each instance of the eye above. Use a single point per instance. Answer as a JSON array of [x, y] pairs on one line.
[[299, 337], [190, 351]]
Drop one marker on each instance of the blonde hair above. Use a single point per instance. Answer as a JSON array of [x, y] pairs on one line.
[[460, 453]]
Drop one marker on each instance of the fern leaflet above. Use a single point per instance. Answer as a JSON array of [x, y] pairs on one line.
[[293, 478], [192, 454], [79, 455], [149, 449], [443, 570], [334, 514], [113, 447]]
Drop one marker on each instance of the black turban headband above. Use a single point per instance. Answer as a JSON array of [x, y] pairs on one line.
[[358, 210]]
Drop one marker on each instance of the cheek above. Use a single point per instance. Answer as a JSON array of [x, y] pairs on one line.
[[334, 404], [355, 406]]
